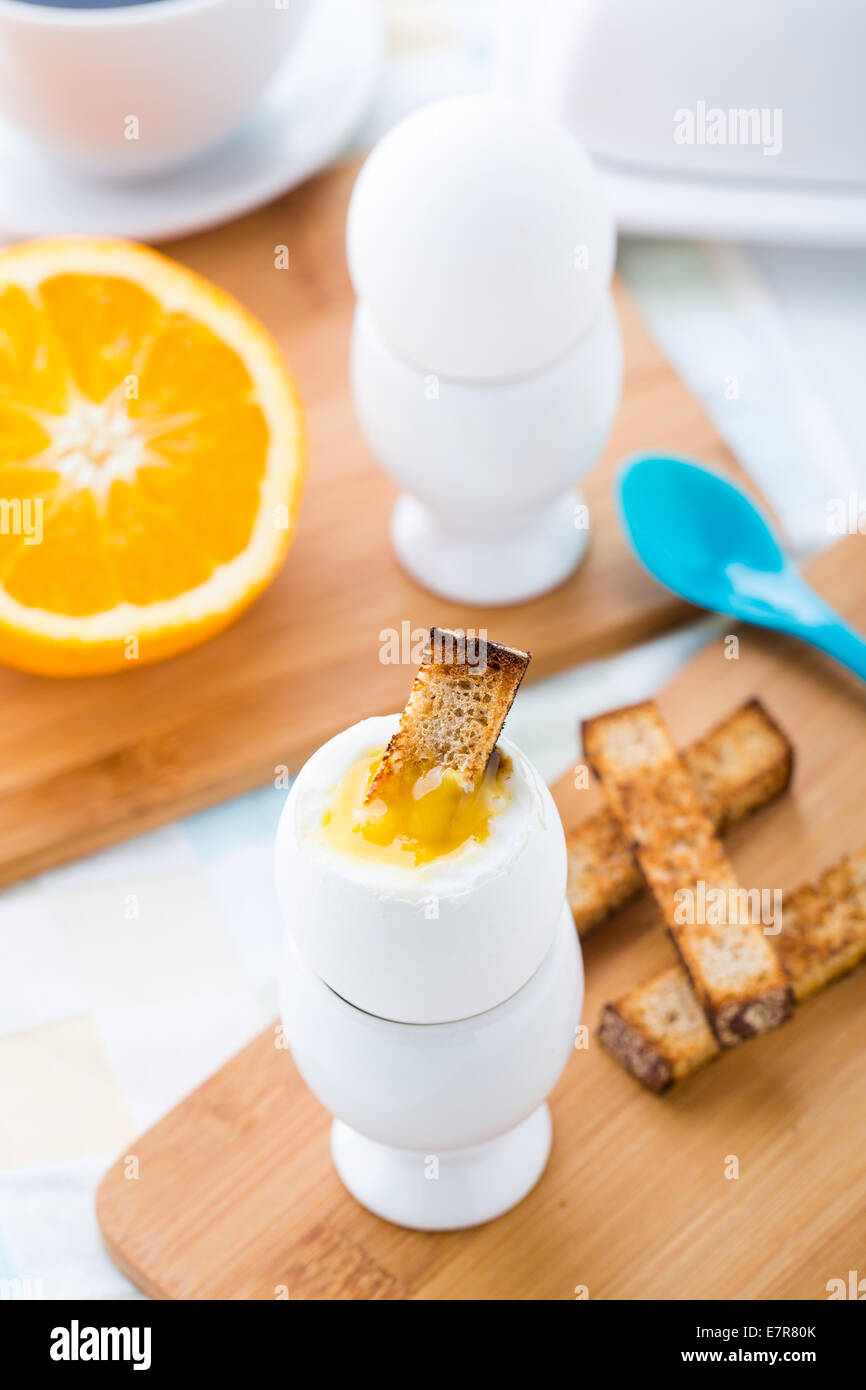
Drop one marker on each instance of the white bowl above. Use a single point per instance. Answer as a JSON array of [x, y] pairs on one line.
[[133, 90]]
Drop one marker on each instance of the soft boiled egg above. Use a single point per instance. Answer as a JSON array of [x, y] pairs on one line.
[[422, 814], [434, 906], [480, 238]]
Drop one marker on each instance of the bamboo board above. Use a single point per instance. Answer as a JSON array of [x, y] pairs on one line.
[[237, 1197], [85, 763]]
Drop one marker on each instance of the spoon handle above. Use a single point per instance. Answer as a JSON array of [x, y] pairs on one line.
[[788, 604], [837, 639]]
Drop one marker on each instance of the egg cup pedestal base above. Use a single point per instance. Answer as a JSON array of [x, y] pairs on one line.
[[511, 567], [449, 1190]]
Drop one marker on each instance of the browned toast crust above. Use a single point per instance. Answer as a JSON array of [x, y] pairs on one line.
[[741, 765], [658, 1031], [456, 709], [733, 968], [823, 932]]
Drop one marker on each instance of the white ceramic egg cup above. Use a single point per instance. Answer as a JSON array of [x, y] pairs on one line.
[[440, 1126], [434, 1038], [488, 512], [486, 365]]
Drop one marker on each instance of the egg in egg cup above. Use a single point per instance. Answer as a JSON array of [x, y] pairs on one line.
[[431, 981]]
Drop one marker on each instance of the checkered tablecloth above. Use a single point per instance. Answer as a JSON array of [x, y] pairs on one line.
[[128, 977]]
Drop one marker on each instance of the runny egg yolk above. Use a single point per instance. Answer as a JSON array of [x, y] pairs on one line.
[[422, 814]]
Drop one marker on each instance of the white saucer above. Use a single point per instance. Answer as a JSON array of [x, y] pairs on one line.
[[655, 204], [304, 120]]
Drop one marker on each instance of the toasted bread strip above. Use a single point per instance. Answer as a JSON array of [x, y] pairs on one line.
[[456, 708], [737, 768], [659, 1032], [735, 973], [823, 932]]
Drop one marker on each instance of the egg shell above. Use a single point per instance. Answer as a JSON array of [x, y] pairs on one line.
[[479, 236], [445, 941]]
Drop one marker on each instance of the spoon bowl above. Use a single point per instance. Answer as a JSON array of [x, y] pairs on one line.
[[706, 539], [689, 525]]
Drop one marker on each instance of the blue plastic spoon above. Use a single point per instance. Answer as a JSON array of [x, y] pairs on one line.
[[707, 540]]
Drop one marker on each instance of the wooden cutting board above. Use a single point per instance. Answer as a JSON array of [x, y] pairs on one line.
[[236, 1195], [85, 763]]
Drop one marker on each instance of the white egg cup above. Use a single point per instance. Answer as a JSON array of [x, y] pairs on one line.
[[433, 1037], [488, 511], [440, 1126], [486, 363]]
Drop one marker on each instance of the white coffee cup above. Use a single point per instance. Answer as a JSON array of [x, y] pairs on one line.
[[137, 89]]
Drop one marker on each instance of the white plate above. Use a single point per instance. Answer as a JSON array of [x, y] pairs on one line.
[[303, 121], [722, 210]]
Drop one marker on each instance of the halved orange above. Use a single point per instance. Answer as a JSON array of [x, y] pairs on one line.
[[152, 454]]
